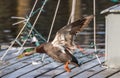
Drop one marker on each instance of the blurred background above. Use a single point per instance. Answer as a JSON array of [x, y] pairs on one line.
[[23, 7]]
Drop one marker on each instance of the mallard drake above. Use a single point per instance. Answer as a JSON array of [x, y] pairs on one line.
[[61, 48]]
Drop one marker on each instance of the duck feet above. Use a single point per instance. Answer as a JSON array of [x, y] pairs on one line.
[[66, 67]]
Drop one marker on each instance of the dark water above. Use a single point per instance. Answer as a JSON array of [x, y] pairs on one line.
[[14, 8], [7, 9], [22, 8]]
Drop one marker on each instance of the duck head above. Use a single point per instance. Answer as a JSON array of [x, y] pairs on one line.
[[40, 49]]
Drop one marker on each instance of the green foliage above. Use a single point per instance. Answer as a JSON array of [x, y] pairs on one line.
[[28, 49]]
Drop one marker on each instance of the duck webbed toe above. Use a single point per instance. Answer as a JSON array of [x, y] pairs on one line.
[[66, 67]]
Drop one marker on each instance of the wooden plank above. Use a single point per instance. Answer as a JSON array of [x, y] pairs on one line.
[[7, 58], [2, 51], [80, 69], [10, 55], [60, 69], [9, 52], [12, 68], [14, 61], [12, 50], [117, 75], [23, 70], [48, 70], [16, 66], [43, 69], [90, 72], [105, 73]]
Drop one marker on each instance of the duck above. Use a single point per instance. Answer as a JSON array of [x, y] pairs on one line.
[[62, 47]]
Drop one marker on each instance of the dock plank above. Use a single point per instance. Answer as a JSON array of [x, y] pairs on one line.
[[22, 68], [8, 55], [16, 66], [90, 72], [26, 69], [16, 60], [117, 75], [43, 69], [9, 52], [59, 65], [60, 69], [80, 69], [105, 73], [12, 68]]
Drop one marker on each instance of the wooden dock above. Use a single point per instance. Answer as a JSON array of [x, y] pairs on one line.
[[23, 68]]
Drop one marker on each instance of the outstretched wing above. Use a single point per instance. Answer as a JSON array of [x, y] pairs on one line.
[[64, 36]]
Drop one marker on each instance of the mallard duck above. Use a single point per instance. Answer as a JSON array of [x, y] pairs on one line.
[[61, 48]]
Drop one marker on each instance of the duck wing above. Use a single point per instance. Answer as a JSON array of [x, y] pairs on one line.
[[65, 36]]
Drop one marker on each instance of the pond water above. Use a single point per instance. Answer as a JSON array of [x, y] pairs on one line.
[[9, 9], [6, 29]]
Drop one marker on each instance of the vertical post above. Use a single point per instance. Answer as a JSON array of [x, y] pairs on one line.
[[94, 22], [112, 40]]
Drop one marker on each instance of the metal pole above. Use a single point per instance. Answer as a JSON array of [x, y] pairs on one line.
[[94, 22]]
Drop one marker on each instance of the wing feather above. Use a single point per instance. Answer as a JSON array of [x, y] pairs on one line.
[[65, 36]]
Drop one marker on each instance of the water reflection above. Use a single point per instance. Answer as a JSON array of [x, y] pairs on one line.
[[22, 8], [7, 9]]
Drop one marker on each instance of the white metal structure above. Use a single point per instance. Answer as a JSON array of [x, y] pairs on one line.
[[112, 38]]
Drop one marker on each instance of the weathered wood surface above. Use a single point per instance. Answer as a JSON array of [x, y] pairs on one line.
[[117, 75], [23, 68]]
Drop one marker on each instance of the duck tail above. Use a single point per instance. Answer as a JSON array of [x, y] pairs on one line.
[[74, 61]]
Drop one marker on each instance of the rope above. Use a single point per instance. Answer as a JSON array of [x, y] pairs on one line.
[[73, 10], [52, 25], [71, 17], [20, 31], [94, 13], [29, 25], [37, 11], [33, 25]]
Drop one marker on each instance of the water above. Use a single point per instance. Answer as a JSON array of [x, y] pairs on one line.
[[14, 8], [22, 8], [6, 11]]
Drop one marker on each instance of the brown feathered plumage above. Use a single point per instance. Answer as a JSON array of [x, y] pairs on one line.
[[63, 44], [65, 36]]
